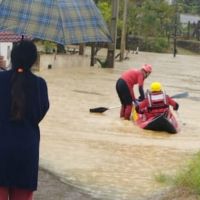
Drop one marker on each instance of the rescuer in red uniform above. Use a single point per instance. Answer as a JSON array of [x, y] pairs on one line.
[[125, 88], [156, 102]]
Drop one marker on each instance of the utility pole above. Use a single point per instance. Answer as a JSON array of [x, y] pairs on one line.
[[92, 60], [175, 27], [123, 35], [110, 60]]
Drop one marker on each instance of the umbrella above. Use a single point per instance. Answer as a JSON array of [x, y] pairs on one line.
[[61, 21]]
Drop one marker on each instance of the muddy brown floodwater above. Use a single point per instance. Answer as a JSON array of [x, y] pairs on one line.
[[105, 156]]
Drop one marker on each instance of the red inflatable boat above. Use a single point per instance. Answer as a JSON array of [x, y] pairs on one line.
[[163, 122]]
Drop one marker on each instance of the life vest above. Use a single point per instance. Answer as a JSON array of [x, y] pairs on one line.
[[157, 102]]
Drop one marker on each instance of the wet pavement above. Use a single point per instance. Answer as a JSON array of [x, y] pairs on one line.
[[101, 154], [50, 187]]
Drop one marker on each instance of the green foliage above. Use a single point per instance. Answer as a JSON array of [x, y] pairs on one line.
[[153, 44], [190, 176], [145, 18], [163, 178], [105, 9], [161, 45], [149, 19], [187, 178], [152, 18], [49, 46], [157, 44], [189, 6]]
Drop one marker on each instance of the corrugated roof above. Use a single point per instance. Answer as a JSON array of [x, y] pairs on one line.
[[10, 37]]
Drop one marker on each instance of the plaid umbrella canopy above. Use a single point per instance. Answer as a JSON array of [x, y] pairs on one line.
[[61, 21]]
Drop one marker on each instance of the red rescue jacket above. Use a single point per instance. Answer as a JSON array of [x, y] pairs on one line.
[[155, 104]]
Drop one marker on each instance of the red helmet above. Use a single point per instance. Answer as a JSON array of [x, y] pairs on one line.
[[147, 68]]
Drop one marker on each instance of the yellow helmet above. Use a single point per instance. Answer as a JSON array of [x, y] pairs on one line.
[[156, 87]]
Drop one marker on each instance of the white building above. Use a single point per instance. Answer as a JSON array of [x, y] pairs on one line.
[[185, 18], [6, 43], [170, 1]]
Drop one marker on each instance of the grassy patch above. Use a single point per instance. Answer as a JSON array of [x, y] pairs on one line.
[[190, 176], [187, 178], [163, 178]]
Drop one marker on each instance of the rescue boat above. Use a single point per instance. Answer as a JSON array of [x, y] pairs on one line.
[[166, 122]]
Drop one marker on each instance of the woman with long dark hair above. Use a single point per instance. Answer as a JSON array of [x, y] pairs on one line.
[[23, 104]]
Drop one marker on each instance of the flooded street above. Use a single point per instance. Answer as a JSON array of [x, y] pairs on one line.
[[108, 157]]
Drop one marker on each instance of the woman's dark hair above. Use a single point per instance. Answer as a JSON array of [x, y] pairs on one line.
[[23, 56]]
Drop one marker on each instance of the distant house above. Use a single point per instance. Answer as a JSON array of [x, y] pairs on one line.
[[192, 22], [170, 1], [186, 18]]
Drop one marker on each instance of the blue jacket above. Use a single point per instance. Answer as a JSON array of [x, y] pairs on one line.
[[19, 141]]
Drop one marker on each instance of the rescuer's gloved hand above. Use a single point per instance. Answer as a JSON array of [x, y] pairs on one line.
[[176, 106]]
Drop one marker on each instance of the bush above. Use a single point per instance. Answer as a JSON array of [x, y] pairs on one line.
[[160, 45], [186, 179], [49, 46]]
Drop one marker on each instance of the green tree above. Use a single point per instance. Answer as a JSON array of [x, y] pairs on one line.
[[105, 9], [147, 19], [150, 19], [189, 6]]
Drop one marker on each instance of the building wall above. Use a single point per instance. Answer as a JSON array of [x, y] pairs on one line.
[[5, 50], [170, 1], [185, 18]]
